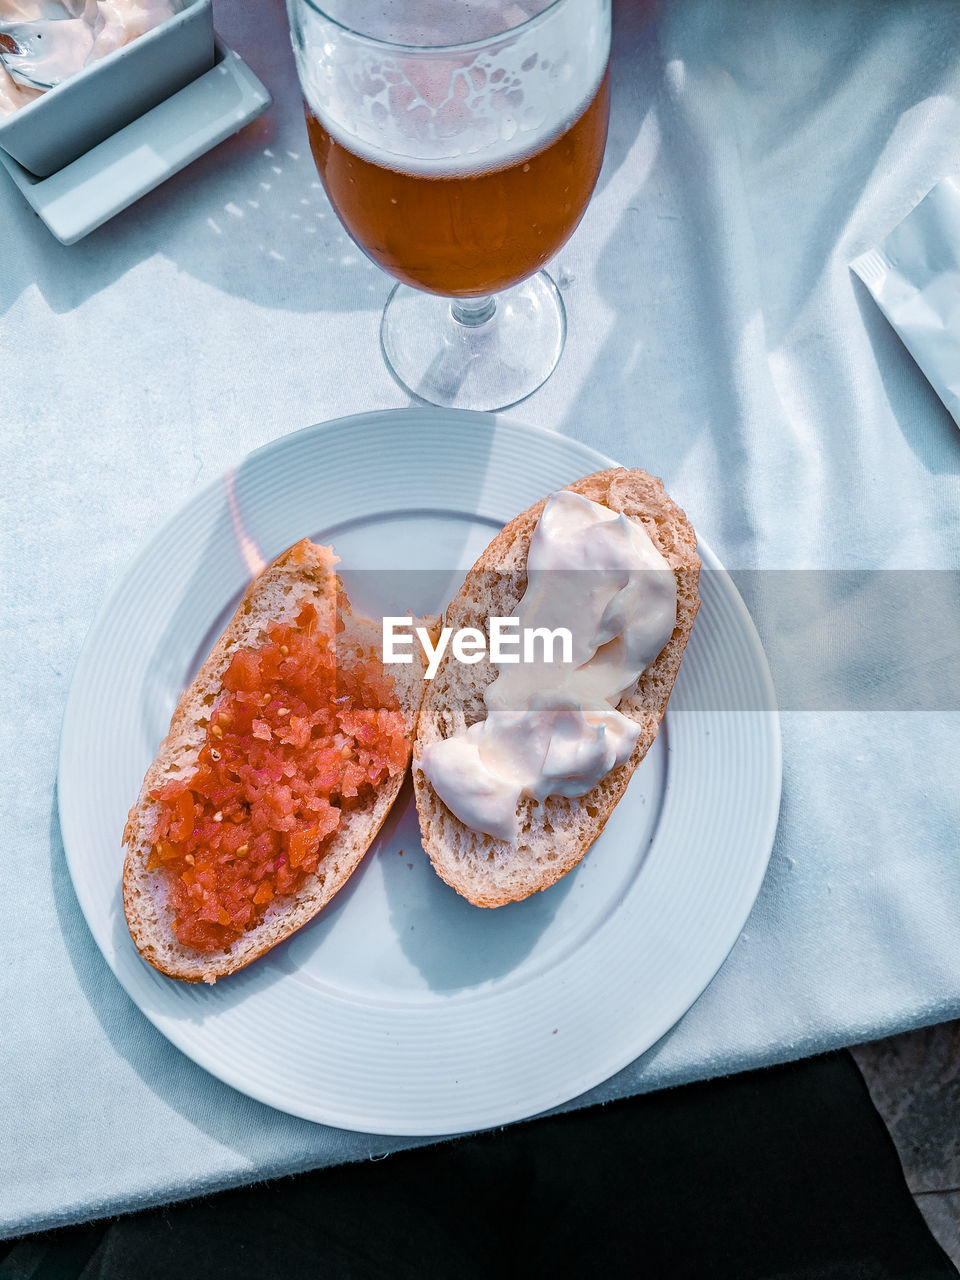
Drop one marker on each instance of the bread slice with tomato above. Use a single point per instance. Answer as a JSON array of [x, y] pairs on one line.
[[282, 761]]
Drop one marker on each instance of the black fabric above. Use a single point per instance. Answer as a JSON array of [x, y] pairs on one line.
[[785, 1174]]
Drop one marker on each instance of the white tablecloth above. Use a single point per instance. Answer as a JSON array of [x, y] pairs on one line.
[[716, 337]]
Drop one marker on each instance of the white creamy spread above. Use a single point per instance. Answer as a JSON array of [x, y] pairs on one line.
[[12, 95], [553, 728], [97, 28]]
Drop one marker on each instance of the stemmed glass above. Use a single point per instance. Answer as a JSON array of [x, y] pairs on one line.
[[459, 143]]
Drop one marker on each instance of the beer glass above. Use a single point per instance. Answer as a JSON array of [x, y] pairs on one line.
[[459, 142]]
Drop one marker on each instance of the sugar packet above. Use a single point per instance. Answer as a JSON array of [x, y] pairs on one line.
[[914, 276]]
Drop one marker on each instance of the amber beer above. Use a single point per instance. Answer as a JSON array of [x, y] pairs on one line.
[[474, 231]]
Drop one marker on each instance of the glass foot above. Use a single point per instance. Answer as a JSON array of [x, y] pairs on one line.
[[474, 353]]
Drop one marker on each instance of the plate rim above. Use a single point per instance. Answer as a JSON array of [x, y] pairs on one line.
[[767, 822]]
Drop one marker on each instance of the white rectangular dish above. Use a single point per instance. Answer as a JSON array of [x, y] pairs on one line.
[[109, 177], [64, 123]]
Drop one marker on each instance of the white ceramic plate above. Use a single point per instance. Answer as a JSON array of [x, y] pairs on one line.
[[402, 1009]]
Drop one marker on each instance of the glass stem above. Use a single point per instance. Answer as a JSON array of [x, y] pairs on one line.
[[473, 311]]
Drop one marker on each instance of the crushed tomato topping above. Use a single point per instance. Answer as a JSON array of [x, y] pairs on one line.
[[296, 738]]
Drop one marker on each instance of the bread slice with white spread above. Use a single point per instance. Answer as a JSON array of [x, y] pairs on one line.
[[302, 574], [552, 836]]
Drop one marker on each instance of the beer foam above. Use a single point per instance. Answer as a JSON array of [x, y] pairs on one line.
[[452, 112]]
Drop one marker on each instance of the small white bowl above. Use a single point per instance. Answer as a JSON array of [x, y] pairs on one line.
[[54, 129]]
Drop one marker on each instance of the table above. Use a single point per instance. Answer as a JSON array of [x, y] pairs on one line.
[[716, 337]]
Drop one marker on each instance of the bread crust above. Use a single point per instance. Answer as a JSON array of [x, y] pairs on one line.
[[556, 835], [302, 571]]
